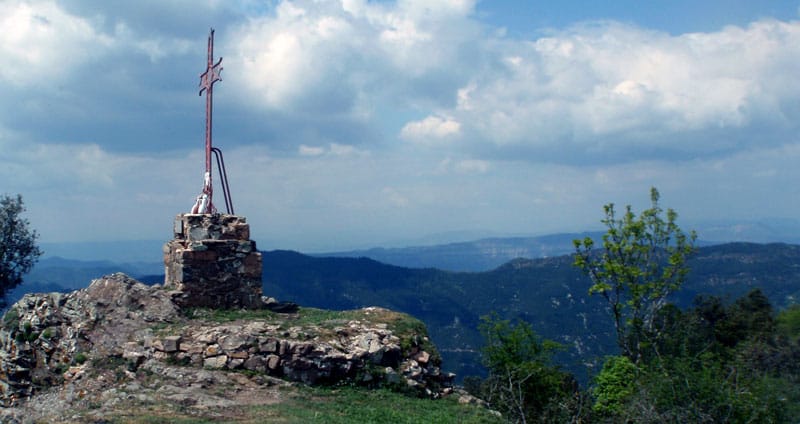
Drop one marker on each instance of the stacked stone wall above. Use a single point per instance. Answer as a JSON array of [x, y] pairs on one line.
[[211, 262]]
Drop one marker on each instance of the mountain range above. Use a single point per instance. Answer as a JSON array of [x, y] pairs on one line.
[[472, 250], [547, 292]]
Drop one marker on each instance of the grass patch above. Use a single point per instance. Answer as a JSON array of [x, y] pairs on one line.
[[80, 358], [152, 417], [323, 317], [11, 319], [227, 315], [354, 405], [27, 334], [303, 404]]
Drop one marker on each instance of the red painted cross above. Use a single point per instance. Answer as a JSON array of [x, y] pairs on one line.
[[204, 204]]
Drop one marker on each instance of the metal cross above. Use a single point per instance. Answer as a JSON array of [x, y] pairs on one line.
[[204, 205]]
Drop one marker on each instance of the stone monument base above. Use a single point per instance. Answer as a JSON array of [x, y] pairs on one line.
[[212, 262]]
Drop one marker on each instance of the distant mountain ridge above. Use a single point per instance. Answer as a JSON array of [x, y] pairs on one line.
[[489, 253], [56, 274], [548, 292], [478, 255], [474, 250]]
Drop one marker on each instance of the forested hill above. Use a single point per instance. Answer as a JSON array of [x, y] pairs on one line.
[[549, 293]]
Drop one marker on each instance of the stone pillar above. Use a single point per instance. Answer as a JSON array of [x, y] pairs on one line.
[[212, 262]]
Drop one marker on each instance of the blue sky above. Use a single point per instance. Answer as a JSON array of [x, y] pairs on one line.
[[358, 123]]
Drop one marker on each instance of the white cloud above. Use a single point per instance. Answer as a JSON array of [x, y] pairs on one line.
[[40, 42], [333, 149], [432, 127], [304, 150], [347, 58], [624, 86], [595, 90]]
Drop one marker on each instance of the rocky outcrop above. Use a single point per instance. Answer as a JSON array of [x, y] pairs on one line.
[[47, 338]]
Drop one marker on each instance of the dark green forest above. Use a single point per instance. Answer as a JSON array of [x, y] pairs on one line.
[[549, 293], [716, 362]]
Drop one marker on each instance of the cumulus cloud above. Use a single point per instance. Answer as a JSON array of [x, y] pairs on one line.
[[350, 58], [611, 86], [596, 91], [432, 127], [40, 42]]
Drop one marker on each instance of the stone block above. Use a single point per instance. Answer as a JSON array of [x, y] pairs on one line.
[[235, 342], [239, 354], [422, 357], [172, 343], [273, 362], [256, 363], [198, 233], [215, 362], [268, 346], [192, 348], [213, 350]]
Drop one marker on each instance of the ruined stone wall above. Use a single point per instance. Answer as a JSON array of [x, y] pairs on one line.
[[50, 340], [211, 262], [357, 351]]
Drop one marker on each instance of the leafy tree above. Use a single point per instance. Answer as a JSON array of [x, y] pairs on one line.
[[788, 322], [522, 381], [18, 250], [615, 384], [717, 363], [642, 261]]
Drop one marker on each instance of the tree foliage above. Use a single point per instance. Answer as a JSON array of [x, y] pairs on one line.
[[715, 362], [718, 363], [522, 382], [642, 261], [788, 322], [615, 384], [18, 250]]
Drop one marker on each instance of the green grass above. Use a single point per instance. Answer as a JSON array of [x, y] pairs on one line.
[[227, 315], [158, 418], [302, 404], [354, 405], [323, 317], [11, 319]]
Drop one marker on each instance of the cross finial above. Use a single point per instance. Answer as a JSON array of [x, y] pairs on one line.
[[212, 74], [204, 205]]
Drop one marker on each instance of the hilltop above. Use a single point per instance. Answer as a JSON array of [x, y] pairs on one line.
[[119, 350], [549, 293]]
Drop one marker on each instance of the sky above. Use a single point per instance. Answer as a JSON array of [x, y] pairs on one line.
[[353, 123]]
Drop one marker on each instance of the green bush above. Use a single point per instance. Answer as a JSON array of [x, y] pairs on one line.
[[522, 382], [615, 385]]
